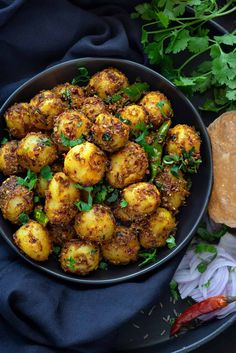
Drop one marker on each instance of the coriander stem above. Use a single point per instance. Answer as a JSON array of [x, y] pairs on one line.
[[191, 58]]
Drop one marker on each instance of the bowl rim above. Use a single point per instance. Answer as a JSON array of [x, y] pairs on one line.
[[85, 280]]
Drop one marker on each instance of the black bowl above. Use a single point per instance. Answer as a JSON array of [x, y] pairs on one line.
[[184, 113]]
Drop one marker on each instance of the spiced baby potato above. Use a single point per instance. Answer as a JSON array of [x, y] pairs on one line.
[[92, 107], [15, 199], [135, 114], [8, 158], [183, 138], [42, 183], [61, 233], [123, 247], [33, 239], [60, 199], [19, 119], [46, 106], [127, 166], [72, 125], [156, 114], [97, 224], [107, 82], [109, 133], [71, 95], [142, 199], [35, 151], [154, 231], [80, 257], [174, 190], [85, 164]]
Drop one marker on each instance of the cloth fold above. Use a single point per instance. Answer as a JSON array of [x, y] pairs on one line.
[[40, 313]]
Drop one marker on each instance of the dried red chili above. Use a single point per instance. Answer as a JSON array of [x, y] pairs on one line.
[[198, 309]]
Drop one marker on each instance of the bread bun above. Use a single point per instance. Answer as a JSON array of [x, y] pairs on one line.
[[222, 206]]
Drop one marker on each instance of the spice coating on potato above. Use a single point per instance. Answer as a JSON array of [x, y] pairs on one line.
[[35, 151], [71, 95], [135, 114], [61, 233], [33, 239], [183, 138], [107, 82], [149, 103], [85, 164], [79, 257], [142, 198], [19, 119], [109, 133], [46, 106], [8, 158], [60, 198], [96, 225], [15, 199], [72, 125], [122, 248], [173, 189], [42, 183], [154, 231], [127, 166], [92, 107]]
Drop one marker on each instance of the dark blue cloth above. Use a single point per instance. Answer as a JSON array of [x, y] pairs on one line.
[[39, 313]]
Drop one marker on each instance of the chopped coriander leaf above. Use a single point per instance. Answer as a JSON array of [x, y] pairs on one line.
[[203, 233], [29, 181], [80, 124], [113, 197], [46, 173], [171, 159], [85, 188], [174, 290], [70, 263], [123, 203], [175, 171], [23, 218], [103, 265], [125, 121], [203, 247], [202, 266], [160, 106], [106, 136], [71, 143], [36, 199], [46, 141], [66, 94], [171, 242], [83, 206], [136, 90], [4, 140], [93, 251], [207, 284], [82, 77], [40, 216], [149, 256], [101, 192], [56, 249]]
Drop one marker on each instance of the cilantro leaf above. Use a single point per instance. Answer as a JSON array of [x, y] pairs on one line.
[[198, 44], [4, 140], [66, 95], [103, 265], [40, 216], [56, 249], [123, 203], [29, 181], [179, 41], [174, 290], [71, 143], [171, 242], [82, 77], [149, 256], [204, 234], [82, 205], [46, 173], [23, 218], [228, 39]]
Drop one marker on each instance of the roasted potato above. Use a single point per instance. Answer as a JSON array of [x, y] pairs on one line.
[[46, 106], [127, 166], [183, 138], [135, 115], [122, 248], [15, 199], [107, 82], [109, 133], [96, 225], [19, 119], [142, 199], [60, 199], [33, 239], [173, 189], [35, 151], [71, 95], [61, 233], [42, 183], [79, 257], [72, 125], [8, 158], [85, 164], [157, 115], [92, 107], [154, 231]]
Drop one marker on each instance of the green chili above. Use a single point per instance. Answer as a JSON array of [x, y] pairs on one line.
[[162, 131]]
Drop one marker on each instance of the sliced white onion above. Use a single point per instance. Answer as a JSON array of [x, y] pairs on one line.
[[228, 243]]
